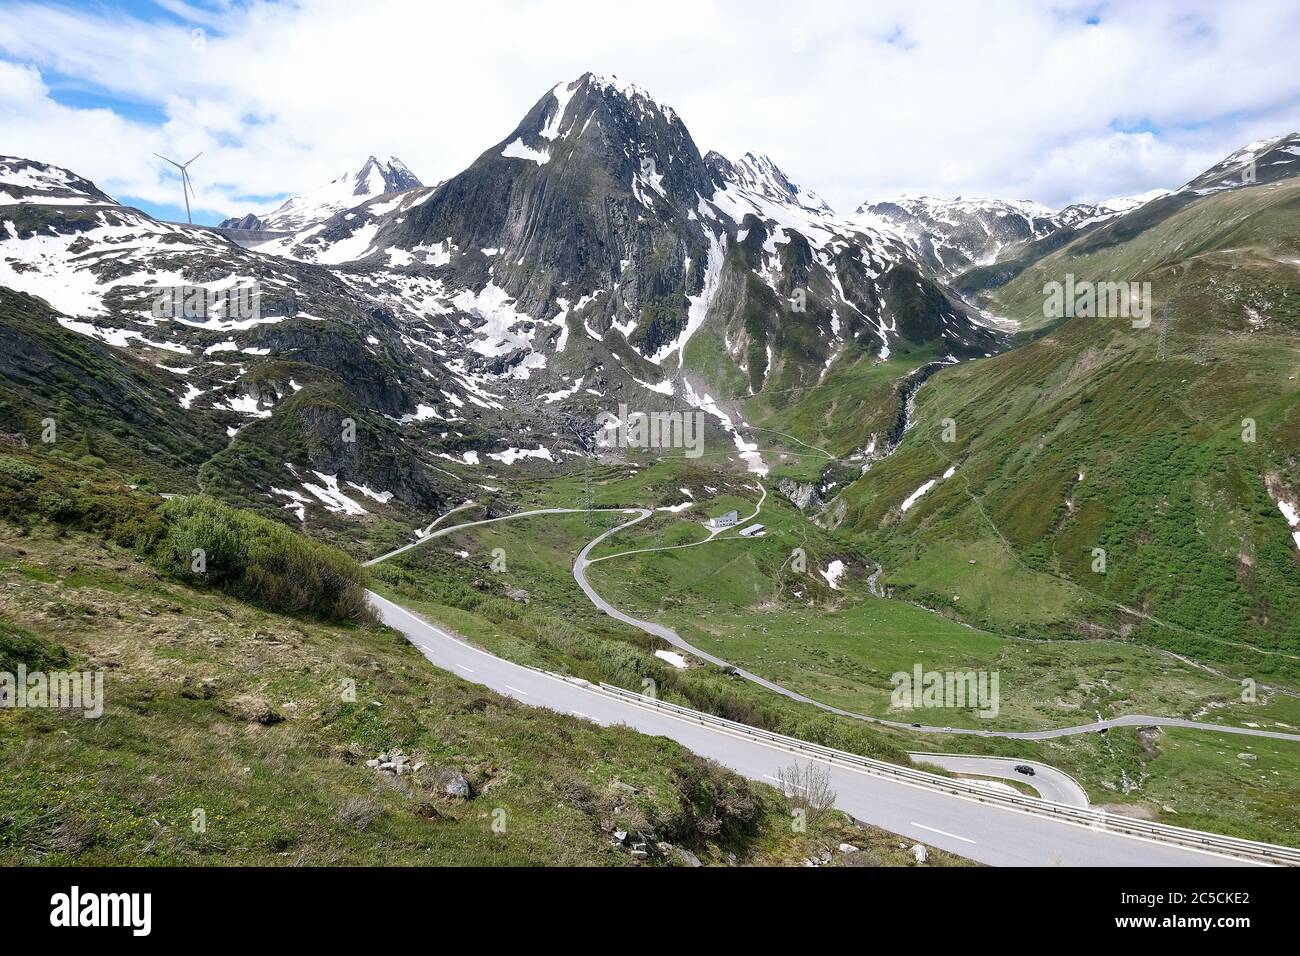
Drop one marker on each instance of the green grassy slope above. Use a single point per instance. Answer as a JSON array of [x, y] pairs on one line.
[[215, 705], [1099, 435], [262, 716], [1256, 225], [105, 405]]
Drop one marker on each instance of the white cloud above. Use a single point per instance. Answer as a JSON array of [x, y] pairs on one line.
[[854, 100]]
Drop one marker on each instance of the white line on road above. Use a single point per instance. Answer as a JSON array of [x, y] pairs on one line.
[[598, 692], [943, 832], [467, 670], [516, 690]]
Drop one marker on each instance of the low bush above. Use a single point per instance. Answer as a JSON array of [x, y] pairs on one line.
[[260, 560], [243, 553], [716, 805], [19, 646], [78, 498]]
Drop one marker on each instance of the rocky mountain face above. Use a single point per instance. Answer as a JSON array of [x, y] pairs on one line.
[[25, 182], [219, 336], [952, 235], [597, 218], [592, 196], [593, 255], [102, 401], [250, 221], [1079, 215], [1261, 162], [759, 175]]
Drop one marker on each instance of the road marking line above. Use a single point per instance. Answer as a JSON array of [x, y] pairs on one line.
[[930, 788], [943, 832], [578, 713], [603, 695], [468, 670], [515, 689]]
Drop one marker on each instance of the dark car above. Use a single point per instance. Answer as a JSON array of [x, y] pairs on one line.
[[916, 725], [1024, 768]]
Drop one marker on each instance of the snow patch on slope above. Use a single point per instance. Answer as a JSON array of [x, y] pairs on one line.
[[518, 150]]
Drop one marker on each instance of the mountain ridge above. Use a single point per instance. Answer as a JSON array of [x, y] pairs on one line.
[[591, 255]]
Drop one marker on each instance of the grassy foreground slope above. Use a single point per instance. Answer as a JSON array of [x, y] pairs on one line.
[[233, 733]]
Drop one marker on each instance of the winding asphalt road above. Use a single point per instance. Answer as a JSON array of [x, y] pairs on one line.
[[1051, 784], [443, 532], [988, 833], [994, 834], [582, 563]]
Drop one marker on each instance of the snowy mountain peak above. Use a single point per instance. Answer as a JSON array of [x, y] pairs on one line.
[[1125, 203], [625, 116], [628, 91], [383, 175], [598, 121], [561, 95], [1079, 215], [376, 176], [921, 204], [757, 173], [953, 234], [1262, 161]]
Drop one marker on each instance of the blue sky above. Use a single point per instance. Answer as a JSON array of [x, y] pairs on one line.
[[1053, 101]]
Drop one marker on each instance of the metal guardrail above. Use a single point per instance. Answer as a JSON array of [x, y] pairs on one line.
[[1093, 818]]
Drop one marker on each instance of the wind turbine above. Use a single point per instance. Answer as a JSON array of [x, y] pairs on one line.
[[187, 190]]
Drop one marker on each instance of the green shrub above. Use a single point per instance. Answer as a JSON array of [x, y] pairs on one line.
[[18, 646], [18, 470], [260, 560], [715, 805], [204, 525], [55, 507], [70, 495], [243, 553]]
